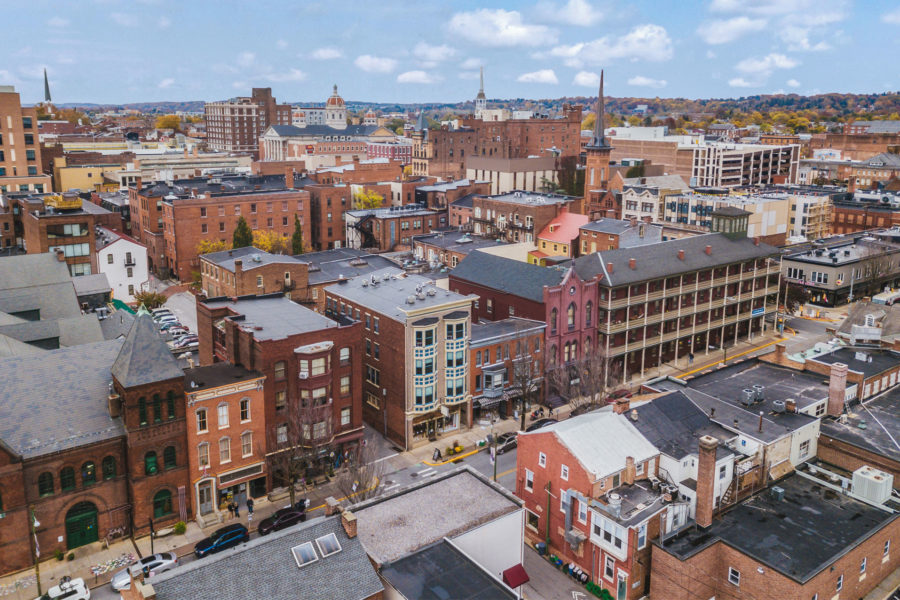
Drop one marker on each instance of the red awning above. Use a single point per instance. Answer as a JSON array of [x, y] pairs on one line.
[[515, 576]]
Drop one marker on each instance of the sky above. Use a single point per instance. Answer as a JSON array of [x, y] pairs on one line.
[[112, 51]]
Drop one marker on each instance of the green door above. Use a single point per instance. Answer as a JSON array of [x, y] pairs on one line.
[[81, 525]]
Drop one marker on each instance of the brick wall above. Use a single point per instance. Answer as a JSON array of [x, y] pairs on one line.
[[499, 302]]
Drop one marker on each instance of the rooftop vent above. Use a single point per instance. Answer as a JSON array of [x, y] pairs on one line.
[[256, 258], [747, 396], [760, 392], [431, 292], [410, 299], [778, 406]]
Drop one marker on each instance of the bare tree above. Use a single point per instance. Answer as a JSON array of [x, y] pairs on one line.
[[562, 380], [875, 268], [525, 381], [597, 375], [361, 477], [298, 446]]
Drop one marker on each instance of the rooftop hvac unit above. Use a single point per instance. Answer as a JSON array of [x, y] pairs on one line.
[[776, 493], [747, 396], [872, 484], [778, 406], [760, 392]]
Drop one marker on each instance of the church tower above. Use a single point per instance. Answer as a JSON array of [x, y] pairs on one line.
[[480, 99], [336, 111], [598, 151]]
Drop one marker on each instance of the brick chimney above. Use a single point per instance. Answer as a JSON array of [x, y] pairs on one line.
[[706, 480], [630, 471], [632, 262], [609, 267], [837, 388], [780, 350], [289, 178], [622, 405], [348, 521], [756, 241], [60, 256], [332, 506], [634, 221], [137, 164], [681, 255], [196, 151], [185, 152], [708, 250], [138, 182]]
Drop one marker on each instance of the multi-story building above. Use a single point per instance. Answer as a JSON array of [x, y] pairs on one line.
[[515, 217], [559, 239], [862, 212], [449, 248], [768, 216], [610, 234], [416, 361], [386, 229], [173, 219], [838, 273], [313, 367], [441, 195], [870, 173], [399, 150], [250, 271], [531, 174], [236, 125], [226, 435], [863, 127], [172, 166], [123, 261], [495, 352], [333, 114], [20, 149]]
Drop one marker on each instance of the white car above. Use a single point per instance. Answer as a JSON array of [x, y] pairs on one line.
[[73, 589], [150, 565]]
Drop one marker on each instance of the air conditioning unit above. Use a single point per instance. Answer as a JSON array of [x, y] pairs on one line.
[[872, 484]]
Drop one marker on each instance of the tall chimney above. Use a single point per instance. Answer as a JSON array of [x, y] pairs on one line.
[[289, 178], [634, 221], [837, 388], [756, 241], [780, 349], [622, 406], [629, 471], [348, 520], [706, 480], [681, 255], [609, 267], [708, 249], [632, 262], [139, 181], [196, 152]]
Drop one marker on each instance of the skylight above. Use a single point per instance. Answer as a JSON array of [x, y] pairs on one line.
[[305, 554], [328, 545]]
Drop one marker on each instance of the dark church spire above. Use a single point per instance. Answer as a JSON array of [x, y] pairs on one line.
[[599, 137], [46, 87]]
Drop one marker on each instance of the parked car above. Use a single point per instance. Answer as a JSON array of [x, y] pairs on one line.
[[507, 441], [149, 565], [178, 331], [282, 518], [222, 539], [162, 314], [169, 325], [68, 589], [541, 423], [186, 341], [622, 393]]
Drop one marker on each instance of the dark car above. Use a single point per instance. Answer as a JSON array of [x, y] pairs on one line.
[[540, 423], [222, 539], [622, 393], [507, 441], [282, 518]]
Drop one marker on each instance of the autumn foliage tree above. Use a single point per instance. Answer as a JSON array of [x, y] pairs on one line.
[[168, 122], [271, 242], [209, 246], [364, 199]]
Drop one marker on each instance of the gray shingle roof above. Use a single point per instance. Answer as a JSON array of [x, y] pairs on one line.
[[59, 400], [674, 425], [91, 284], [507, 275], [144, 357], [28, 270], [661, 260], [71, 331], [265, 568], [248, 257], [346, 262]]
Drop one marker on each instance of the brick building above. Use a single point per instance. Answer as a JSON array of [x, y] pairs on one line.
[[439, 196], [610, 234], [172, 219], [313, 367], [449, 248], [530, 174], [236, 125], [20, 148], [516, 216], [388, 229], [226, 435], [250, 271], [416, 361], [559, 239]]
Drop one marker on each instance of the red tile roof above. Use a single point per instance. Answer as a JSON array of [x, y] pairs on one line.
[[564, 228]]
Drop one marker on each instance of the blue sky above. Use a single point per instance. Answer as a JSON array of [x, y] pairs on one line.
[[429, 51]]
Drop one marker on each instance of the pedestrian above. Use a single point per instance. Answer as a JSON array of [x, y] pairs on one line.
[[249, 507], [690, 358], [230, 510], [237, 509]]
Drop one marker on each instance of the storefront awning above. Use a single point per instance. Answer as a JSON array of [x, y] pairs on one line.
[[515, 576], [487, 402]]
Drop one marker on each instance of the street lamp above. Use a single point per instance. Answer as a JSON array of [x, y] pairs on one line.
[[37, 551]]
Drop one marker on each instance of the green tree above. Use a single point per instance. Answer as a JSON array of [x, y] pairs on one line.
[[243, 237], [635, 171], [297, 238]]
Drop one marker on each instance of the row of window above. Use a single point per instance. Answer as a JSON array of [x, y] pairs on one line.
[[225, 449], [222, 418], [47, 484], [157, 405], [570, 317], [502, 352]]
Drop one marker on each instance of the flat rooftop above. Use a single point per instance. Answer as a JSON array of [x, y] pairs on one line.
[[842, 254], [393, 212], [868, 361], [216, 375], [184, 189], [531, 198], [395, 526], [798, 536], [870, 426], [339, 263], [485, 332], [457, 241], [273, 317], [249, 256]]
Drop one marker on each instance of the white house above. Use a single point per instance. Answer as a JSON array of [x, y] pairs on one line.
[[124, 261]]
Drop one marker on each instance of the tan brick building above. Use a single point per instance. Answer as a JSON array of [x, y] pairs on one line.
[[236, 125], [20, 149]]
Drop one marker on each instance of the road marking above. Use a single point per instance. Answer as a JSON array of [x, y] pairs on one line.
[[426, 472], [387, 489], [577, 595], [754, 349]]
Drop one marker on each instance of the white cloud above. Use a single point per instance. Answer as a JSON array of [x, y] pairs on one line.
[[642, 81], [472, 63], [245, 59], [124, 19], [892, 17], [793, 83], [165, 83], [375, 64], [327, 54], [644, 42], [710, 54], [289, 75], [797, 39], [740, 82], [542, 76], [573, 12], [586, 79], [282, 44], [58, 22], [433, 54], [416, 77], [468, 75], [765, 65], [164, 22], [763, 7], [722, 31], [65, 60], [499, 28]]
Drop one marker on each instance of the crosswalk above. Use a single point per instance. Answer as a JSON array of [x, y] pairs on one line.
[[429, 472]]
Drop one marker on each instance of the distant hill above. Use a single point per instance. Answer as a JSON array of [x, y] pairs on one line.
[[831, 105]]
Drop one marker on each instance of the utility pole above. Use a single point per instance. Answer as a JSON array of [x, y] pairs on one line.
[[37, 551], [494, 449], [151, 537]]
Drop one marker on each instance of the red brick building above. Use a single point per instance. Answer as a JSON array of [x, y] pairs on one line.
[[236, 125], [440, 196], [313, 365], [515, 217], [391, 228]]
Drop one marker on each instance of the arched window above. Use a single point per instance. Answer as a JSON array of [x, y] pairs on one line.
[[109, 467], [45, 484], [157, 408], [566, 352], [574, 351], [588, 310], [162, 504], [570, 316], [88, 473], [67, 479], [587, 346], [142, 410], [169, 457], [554, 315], [170, 404], [150, 466], [553, 354]]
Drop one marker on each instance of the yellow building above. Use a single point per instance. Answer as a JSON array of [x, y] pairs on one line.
[[81, 177], [559, 239]]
